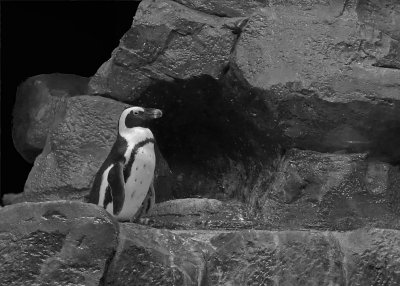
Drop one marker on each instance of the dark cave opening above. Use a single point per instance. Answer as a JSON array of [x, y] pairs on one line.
[[206, 138], [49, 37]]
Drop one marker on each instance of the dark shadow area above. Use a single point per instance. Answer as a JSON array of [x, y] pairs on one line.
[[48, 37], [204, 136]]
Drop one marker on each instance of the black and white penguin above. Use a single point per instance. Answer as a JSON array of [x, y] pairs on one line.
[[124, 183]]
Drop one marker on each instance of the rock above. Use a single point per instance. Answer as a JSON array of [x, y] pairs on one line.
[[332, 191], [40, 105], [305, 258], [75, 150], [148, 256], [382, 15], [203, 214], [309, 74], [57, 243], [225, 8], [10, 199], [167, 41], [188, 206]]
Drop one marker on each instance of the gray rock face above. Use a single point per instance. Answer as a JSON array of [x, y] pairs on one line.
[[75, 150], [313, 77], [204, 214], [40, 105], [223, 8], [305, 258], [63, 243], [332, 191], [166, 41], [55, 243], [148, 256]]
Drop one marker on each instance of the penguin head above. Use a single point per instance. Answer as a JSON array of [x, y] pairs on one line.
[[137, 117]]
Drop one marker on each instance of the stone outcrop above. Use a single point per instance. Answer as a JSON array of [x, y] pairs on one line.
[[332, 191], [55, 243], [40, 105], [305, 258], [148, 256], [167, 41], [64, 242], [312, 74]]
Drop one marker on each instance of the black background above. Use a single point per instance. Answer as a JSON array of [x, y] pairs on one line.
[[48, 37]]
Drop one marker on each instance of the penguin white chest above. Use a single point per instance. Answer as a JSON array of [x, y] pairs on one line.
[[139, 180]]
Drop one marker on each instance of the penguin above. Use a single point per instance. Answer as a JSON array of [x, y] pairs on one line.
[[124, 183]]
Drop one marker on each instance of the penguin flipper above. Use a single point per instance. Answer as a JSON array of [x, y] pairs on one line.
[[117, 186]]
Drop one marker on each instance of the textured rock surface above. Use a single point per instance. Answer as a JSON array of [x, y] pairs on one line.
[[223, 8], [305, 258], [75, 150], [309, 72], [148, 256], [40, 104], [190, 206], [55, 243], [205, 214], [332, 191], [166, 41]]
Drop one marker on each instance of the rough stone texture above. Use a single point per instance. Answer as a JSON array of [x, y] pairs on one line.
[[383, 16], [332, 191], [166, 41], [309, 73], [148, 256], [204, 214], [361, 257], [223, 8], [55, 243], [189, 206], [40, 105], [75, 150]]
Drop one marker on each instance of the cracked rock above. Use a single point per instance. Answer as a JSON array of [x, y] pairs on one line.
[[55, 243], [167, 41], [332, 191]]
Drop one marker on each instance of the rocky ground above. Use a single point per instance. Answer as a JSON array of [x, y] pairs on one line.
[[280, 142]]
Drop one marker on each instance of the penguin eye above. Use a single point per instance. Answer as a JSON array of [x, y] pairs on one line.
[[136, 112]]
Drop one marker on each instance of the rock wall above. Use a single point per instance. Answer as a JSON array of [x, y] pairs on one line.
[[75, 243], [279, 116]]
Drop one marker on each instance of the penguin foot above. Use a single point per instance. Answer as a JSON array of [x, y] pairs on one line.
[[144, 221]]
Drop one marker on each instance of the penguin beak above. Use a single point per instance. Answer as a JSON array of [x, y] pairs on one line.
[[152, 113]]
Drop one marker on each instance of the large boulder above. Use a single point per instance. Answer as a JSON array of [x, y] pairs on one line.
[[75, 149], [39, 105], [167, 41], [332, 191], [148, 256], [55, 243], [312, 73]]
